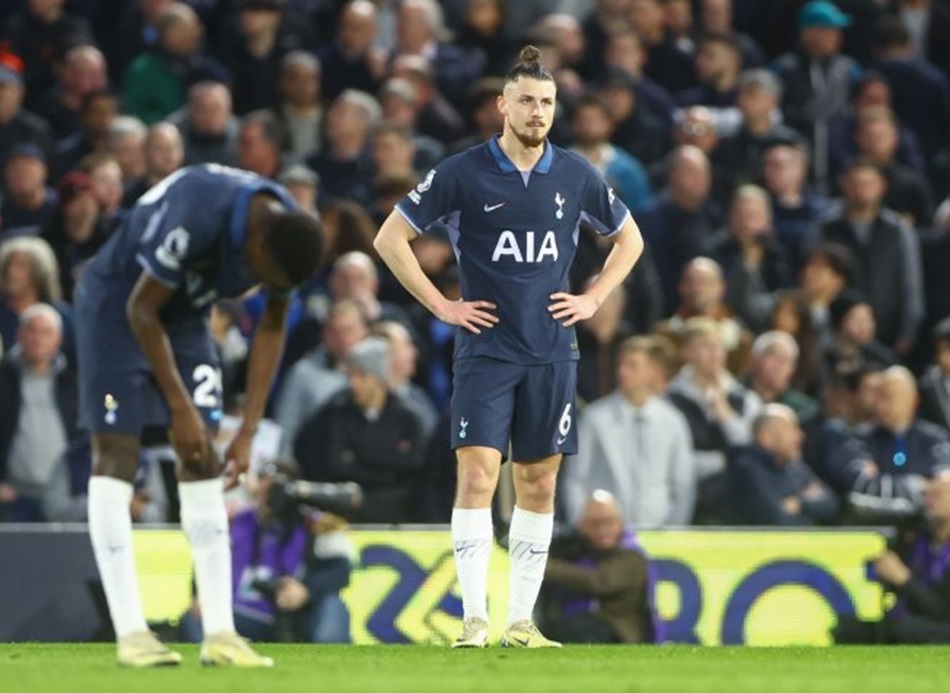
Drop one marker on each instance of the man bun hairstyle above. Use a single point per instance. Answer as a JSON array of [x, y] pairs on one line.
[[529, 65], [295, 242]]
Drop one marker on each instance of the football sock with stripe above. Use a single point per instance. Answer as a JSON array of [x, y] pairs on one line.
[[529, 539], [472, 539]]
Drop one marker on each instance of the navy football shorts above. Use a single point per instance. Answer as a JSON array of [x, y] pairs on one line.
[[532, 407], [117, 392]]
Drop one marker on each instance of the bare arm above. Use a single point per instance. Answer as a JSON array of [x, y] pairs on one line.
[[392, 244], [266, 348], [190, 436], [628, 247]]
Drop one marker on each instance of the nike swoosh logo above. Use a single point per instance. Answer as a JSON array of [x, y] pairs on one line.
[[492, 208], [560, 441], [521, 641]]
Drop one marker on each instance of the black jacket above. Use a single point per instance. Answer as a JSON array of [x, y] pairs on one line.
[[385, 456], [935, 397]]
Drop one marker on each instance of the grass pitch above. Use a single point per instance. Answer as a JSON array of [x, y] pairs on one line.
[[36, 668]]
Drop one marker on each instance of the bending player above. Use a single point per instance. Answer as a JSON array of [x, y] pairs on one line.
[[513, 206], [146, 359]]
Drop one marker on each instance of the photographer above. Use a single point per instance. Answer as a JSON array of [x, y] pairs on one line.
[[280, 594], [598, 583], [917, 571]]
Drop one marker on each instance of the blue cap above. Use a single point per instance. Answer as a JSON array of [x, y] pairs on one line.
[[822, 13], [26, 150]]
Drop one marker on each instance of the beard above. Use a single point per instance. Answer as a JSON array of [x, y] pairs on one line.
[[530, 137]]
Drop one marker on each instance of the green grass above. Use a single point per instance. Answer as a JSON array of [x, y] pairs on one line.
[[36, 668]]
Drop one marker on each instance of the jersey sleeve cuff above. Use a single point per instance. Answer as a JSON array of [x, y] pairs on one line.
[[150, 270], [409, 220], [617, 230]]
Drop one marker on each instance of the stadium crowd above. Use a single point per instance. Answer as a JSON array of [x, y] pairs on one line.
[[779, 356]]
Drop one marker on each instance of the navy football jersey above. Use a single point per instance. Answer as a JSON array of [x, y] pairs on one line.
[[515, 235], [187, 232]]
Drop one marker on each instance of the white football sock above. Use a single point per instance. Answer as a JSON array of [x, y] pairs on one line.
[[110, 528], [529, 539], [473, 538], [205, 520]]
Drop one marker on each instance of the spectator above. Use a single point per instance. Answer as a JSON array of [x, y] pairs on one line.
[[299, 107], [29, 274], [27, 200], [625, 56], [351, 61], [696, 126], [853, 343], [355, 277], [716, 17], [137, 32], [398, 100], [393, 150], [486, 119], [99, 110], [17, 125], [897, 452], [265, 31], [106, 175], [276, 596], [741, 153], [83, 72], [637, 443], [608, 18], [343, 164], [207, 125], [718, 65], [678, 223], [76, 230], [42, 35], [484, 33], [301, 183], [127, 144], [636, 130], [754, 263], [796, 208], [436, 117], [403, 361], [600, 588], [259, 144], [915, 571], [907, 193], [367, 435], [768, 482], [921, 94], [156, 83], [872, 91], [702, 290], [883, 246], [317, 377], [38, 401], [774, 360], [811, 102], [420, 25], [598, 339], [667, 64], [719, 410], [935, 382], [592, 132], [164, 154]]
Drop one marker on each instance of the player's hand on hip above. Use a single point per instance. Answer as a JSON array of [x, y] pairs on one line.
[[570, 309], [237, 459], [469, 314], [191, 438]]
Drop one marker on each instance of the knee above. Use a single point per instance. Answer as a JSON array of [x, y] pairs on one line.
[[475, 481], [116, 457], [536, 490]]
